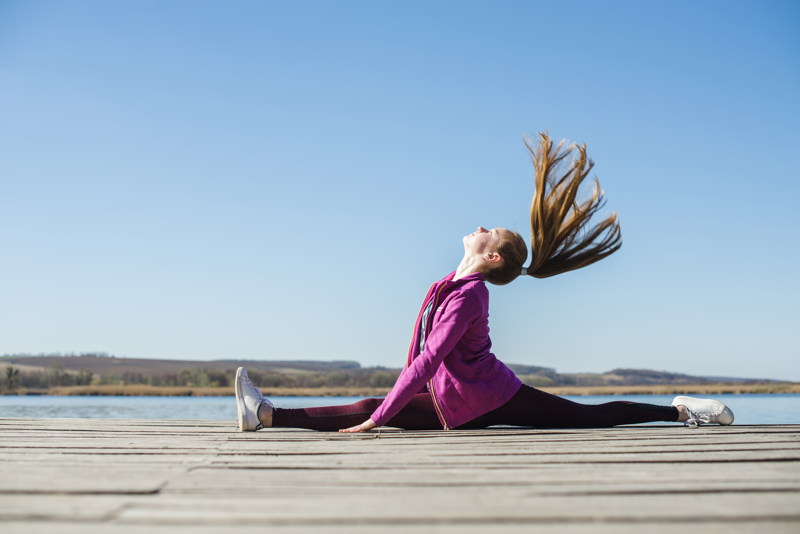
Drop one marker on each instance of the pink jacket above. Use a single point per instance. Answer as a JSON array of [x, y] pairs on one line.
[[457, 367]]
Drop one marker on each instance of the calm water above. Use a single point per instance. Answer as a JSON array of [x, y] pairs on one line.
[[748, 409]]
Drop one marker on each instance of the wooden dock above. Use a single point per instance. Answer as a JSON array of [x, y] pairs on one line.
[[108, 476]]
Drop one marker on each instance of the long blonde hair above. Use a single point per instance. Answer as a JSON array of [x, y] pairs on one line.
[[562, 238]]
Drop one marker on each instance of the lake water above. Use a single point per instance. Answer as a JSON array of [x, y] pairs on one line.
[[748, 409]]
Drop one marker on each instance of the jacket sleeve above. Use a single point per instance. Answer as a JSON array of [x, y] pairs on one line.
[[458, 315]]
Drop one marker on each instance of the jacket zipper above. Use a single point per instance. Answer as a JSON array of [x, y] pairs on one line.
[[436, 405]]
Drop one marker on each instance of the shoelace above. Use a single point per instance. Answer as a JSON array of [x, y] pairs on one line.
[[696, 419], [259, 426]]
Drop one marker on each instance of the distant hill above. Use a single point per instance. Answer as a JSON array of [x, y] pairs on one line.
[[99, 369], [153, 367], [543, 376], [43, 372]]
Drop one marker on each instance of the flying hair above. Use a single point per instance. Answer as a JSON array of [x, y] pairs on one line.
[[563, 235]]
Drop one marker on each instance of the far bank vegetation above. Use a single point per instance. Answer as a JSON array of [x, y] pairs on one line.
[[102, 374]]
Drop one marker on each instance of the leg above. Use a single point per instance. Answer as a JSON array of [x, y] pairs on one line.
[[532, 407], [418, 414]]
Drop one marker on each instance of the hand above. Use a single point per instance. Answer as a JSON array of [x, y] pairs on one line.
[[369, 424]]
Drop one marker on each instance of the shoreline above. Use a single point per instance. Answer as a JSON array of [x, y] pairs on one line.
[[139, 390]]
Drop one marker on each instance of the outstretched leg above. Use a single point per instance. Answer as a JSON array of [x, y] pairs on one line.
[[532, 407], [418, 414]]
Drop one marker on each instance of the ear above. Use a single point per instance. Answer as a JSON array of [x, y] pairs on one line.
[[492, 257]]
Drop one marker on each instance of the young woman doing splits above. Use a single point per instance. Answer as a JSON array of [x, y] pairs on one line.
[[451, 379]]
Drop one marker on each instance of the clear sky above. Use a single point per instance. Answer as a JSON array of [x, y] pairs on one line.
[[283, 180]]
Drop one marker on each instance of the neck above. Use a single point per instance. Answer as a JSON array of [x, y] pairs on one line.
[[467, 266]]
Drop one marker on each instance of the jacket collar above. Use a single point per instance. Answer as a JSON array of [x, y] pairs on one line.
[[470, 277]]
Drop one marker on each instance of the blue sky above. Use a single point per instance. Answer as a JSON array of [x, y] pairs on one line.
[[273, 180]]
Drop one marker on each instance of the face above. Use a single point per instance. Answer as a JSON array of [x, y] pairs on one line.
[[482, 240]]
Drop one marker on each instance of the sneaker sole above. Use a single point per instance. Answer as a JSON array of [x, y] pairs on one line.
[[240, 409]]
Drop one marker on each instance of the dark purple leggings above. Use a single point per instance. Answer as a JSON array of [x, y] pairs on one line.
[[529, 407]]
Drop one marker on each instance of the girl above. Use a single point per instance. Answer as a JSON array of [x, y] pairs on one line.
[[451, 379]]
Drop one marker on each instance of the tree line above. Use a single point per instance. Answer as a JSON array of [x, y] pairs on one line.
[[56, 376]]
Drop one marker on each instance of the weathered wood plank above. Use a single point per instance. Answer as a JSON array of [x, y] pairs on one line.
[[471, 505], [560, 527], [42, 478]]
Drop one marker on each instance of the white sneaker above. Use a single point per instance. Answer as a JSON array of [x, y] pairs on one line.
[[704, 411], [248, 401]]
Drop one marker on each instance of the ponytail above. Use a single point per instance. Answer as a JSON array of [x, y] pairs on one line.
[[562, 238]]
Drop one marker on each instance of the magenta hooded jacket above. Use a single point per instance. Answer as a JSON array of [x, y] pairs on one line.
[[456, 366]]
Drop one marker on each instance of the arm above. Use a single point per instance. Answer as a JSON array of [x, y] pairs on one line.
[[457, 317]]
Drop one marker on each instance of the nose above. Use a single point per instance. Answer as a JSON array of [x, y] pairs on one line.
[[481, 229]]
